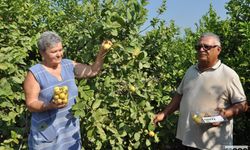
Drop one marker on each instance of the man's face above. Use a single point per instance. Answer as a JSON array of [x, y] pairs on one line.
[[207, 50], [54, 55]]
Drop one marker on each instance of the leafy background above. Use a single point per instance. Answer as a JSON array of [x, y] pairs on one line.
[[112, 116]]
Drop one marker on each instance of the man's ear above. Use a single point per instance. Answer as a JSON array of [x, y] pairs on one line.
[[219, 49]]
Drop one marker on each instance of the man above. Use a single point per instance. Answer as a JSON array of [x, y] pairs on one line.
[[207, 87]]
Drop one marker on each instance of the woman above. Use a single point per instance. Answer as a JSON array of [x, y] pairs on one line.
[[53, 126]]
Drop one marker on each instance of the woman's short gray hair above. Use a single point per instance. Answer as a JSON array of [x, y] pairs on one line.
[[48, 39], [210, 34]]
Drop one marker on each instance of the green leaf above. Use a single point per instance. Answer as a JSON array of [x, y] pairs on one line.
[[114, 32], [114, 104], [137, 136], [148, 143], [96, 104], [90, 132], [102, 133], [6, 104], [151, 126], [142, 121], [113, 130], [137, 144], [17, 80], [102, 111], [148, 107], [107, 81], [98, 145], [115, 25], [79, 113], [12, 115], [3, 66]]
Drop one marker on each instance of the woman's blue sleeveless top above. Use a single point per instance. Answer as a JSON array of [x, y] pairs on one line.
[[55, 129]]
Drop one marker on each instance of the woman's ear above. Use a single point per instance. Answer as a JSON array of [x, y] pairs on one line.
[[42, 54]]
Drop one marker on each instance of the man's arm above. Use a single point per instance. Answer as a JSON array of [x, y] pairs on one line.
[[248, 106], [172, 107], [234, 110]]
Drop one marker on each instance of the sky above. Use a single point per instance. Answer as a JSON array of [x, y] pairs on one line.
[[185, 13]]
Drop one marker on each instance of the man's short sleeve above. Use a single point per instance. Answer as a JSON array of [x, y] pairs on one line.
[[236, 91]]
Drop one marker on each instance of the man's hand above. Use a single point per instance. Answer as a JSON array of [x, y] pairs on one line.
[[221, 112], [159, 117], [172, 106]]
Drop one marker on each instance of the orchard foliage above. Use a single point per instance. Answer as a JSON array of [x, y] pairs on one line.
[[112, 115]]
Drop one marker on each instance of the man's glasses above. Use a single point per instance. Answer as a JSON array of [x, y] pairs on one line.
[[204, 46]]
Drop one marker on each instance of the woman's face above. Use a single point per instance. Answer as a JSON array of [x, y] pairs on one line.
[[53, 55]]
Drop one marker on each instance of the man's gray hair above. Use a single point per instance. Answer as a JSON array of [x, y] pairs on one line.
[[48, 39], [210, 34]]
